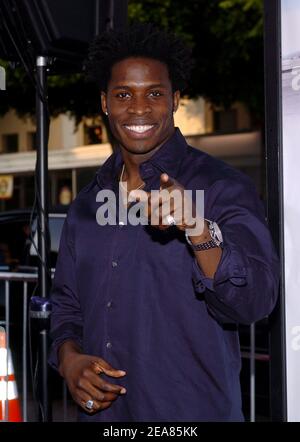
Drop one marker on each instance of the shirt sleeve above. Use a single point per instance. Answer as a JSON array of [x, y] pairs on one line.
[[245, 286], [66, 318]]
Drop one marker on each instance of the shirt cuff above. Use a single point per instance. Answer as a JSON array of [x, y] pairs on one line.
[[232, 267], [64, 333]]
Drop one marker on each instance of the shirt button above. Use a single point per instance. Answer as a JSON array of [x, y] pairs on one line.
[[109, 304], [108, 344], [114, 263], [201, 287]]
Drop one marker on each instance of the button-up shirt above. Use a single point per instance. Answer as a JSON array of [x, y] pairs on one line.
[[136, 296]]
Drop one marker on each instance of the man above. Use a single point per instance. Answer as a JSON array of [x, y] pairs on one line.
[[144, 321]]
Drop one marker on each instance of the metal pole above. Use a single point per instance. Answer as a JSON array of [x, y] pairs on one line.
[[274, 162], [74, 183], [42, 173], [252, 372], [110, 18], [24, 364], [42, 192], [7, 325]]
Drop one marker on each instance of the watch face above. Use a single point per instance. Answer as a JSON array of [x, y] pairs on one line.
[[216, 232]]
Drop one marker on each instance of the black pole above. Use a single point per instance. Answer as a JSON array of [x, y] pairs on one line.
[[273, 106], [42, 172], [44, 280]]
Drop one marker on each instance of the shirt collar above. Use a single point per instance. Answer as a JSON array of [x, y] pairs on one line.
[[166, 160]]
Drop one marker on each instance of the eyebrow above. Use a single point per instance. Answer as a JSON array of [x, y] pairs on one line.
[[151, 86]]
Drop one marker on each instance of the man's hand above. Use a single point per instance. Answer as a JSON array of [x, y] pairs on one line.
[[82, 375], [170, 200]]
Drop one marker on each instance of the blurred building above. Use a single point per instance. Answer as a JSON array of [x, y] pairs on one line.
[[75, 153]]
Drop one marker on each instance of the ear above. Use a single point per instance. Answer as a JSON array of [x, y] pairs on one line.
[[176, 99], [103, 102]]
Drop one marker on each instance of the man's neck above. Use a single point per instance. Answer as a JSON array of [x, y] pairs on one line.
[[132, 162]]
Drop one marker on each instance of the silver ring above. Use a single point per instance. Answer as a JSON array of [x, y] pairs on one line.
[[89, 404], [170, 220]]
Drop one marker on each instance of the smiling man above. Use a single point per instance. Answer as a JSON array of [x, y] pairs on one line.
[[145, 317]]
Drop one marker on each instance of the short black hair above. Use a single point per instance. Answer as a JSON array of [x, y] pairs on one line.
[[139, 40]]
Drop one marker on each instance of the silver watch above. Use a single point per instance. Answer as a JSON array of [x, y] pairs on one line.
[[215, 241]]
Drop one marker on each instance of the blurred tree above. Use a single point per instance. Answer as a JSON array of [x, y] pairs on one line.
[[226, 37]]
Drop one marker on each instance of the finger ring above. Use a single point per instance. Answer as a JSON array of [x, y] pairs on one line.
[[89, 404], [170, 220]]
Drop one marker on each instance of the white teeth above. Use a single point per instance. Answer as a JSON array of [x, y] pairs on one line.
[[140, 129]]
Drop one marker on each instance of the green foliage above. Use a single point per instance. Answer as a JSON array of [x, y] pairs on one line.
[[226, 37], [242, 14]]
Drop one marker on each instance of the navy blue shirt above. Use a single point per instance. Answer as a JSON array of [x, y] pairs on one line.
[[136, 297]]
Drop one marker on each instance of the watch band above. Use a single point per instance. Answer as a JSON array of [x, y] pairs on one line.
[[204, 245]]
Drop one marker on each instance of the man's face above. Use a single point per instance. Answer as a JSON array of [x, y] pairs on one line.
[[140, 104]]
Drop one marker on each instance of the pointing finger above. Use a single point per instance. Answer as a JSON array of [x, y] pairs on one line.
[[165, 181], [104, 367]]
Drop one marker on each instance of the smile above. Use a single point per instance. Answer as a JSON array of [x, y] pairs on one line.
[[141, 129]]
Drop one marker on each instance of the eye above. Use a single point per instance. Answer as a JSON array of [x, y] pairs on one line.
[[123, 95], [155, 94]]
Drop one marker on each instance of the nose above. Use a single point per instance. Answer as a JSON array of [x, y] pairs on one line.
[[139, 106]]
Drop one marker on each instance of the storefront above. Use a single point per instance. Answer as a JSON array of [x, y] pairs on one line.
[[69, 171]]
